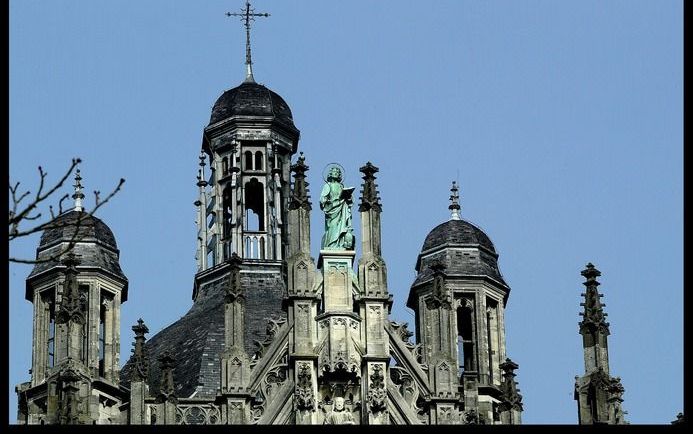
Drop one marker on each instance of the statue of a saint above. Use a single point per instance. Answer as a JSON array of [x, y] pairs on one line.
[[335, 201], [339, 415]]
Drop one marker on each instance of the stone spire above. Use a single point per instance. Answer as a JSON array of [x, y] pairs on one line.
[[369, 194], [599, 395], [140, 367], [299, 194], [454, 202], [78, 195]]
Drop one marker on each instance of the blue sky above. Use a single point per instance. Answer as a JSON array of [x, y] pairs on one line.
[[562, 122]]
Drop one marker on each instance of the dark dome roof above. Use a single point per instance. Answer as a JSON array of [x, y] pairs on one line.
[[251, 99], [97, 246], [90, 229], [457, 232]]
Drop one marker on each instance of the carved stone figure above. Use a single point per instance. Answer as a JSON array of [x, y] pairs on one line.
[[335, 201], [339, 415]]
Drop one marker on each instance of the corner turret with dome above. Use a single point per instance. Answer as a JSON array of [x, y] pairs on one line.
[[459, 298], [77, 288]]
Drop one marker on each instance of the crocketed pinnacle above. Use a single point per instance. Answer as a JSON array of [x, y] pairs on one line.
[[140, 369], [299, 193], [593, 317], [509, 386]]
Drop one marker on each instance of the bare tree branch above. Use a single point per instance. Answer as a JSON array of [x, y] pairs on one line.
[[17, 218]]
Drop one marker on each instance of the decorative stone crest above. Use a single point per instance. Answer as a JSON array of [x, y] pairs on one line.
[[303, 394]]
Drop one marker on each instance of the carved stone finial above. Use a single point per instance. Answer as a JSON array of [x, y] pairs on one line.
[[140, 369], [369, 194], [78, 195], [299, 193], [594, 318], [454, 202]]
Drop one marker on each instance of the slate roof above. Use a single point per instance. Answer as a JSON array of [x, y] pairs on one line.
[[197, 339], [252, 99], [458, 233], [97, 245]]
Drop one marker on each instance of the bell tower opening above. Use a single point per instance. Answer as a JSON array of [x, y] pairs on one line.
[[254, 206], [465, 339]]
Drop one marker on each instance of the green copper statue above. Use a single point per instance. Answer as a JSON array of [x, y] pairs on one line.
[[335, 201]]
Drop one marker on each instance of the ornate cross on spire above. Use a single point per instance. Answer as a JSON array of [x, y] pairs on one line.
[[454, 202], [247, 15]]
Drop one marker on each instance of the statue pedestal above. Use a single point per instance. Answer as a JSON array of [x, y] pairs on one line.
[[337, 275], [338, 325]]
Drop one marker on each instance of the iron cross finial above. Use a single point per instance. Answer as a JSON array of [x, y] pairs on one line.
[[247, 15]]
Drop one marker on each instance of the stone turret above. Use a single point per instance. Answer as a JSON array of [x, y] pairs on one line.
[[459, 298]]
